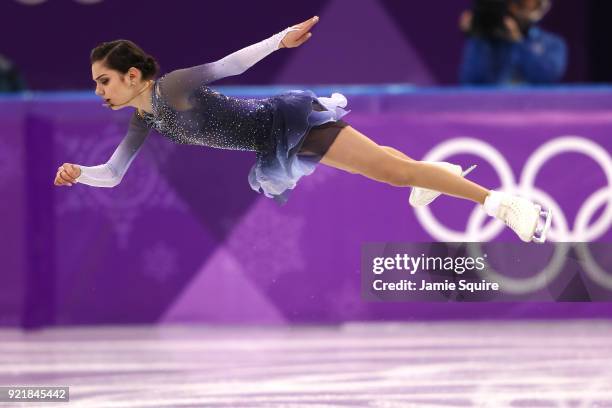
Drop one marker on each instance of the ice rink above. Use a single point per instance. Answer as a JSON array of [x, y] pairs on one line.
[[457, 364]]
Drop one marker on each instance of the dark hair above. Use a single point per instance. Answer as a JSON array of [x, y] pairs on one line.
[[121, 55]]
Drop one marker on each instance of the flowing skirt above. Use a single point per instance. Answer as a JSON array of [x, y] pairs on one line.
[[304, 127]]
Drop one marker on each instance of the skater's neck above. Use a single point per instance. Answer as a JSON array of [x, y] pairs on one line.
[[143, 99]]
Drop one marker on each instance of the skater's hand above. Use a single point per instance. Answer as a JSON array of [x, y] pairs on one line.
[[300, 34], [67, 174]]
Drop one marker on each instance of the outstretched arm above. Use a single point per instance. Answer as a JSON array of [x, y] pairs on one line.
[[110, 173], [241, 60]]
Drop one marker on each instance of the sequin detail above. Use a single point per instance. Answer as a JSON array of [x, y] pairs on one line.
[[214, 120], [274, 128]]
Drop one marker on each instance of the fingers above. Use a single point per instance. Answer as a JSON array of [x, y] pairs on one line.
[[66, 175], [59, 181], [300, 33], [67, 172], [303, 39], [308, 24], [71, 170]]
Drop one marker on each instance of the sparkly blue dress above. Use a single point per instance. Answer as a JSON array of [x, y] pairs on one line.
[[289, 133]]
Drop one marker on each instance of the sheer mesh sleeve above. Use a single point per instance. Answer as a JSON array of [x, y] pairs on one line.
[[111, 173], [178, 85]]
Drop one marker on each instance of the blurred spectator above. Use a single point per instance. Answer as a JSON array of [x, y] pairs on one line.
[[10, 78], [505, 45]]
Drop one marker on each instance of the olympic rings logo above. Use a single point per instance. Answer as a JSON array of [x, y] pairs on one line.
[[581, 232], [560, 231]]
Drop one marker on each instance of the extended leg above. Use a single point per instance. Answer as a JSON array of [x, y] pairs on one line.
[[354, 152], [420, 197], [397, 153]]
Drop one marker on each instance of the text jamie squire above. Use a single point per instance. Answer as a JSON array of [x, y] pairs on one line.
[[411, 265]]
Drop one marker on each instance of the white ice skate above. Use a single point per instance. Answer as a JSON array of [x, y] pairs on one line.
[[525, 218], [420, 197]]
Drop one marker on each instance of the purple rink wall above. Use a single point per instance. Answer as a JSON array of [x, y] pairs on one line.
[[183, 238]]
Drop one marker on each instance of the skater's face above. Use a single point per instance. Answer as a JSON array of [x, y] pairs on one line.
[[114, 87]]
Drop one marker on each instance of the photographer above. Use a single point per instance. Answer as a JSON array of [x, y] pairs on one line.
[[505, 45]]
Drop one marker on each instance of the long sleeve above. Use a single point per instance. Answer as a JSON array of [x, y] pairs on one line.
[[543, 57], [179, 84], [111, 173]]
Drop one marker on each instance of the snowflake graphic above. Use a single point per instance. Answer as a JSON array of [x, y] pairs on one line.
[[141, 189], [268, 243], [160, 261]]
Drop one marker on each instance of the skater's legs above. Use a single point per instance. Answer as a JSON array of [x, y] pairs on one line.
[[354, 152], [397, 153]]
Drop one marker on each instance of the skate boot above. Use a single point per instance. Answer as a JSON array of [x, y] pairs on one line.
[[525, 218], [420, 197]]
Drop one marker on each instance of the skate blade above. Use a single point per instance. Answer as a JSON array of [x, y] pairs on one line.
[[416, 201], [469, 170], [416, 197], [540, 234]]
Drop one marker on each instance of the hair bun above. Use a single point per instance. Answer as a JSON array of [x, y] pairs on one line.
[[121, 55]]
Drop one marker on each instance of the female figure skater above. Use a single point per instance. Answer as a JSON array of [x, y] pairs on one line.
[[290, 133]]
